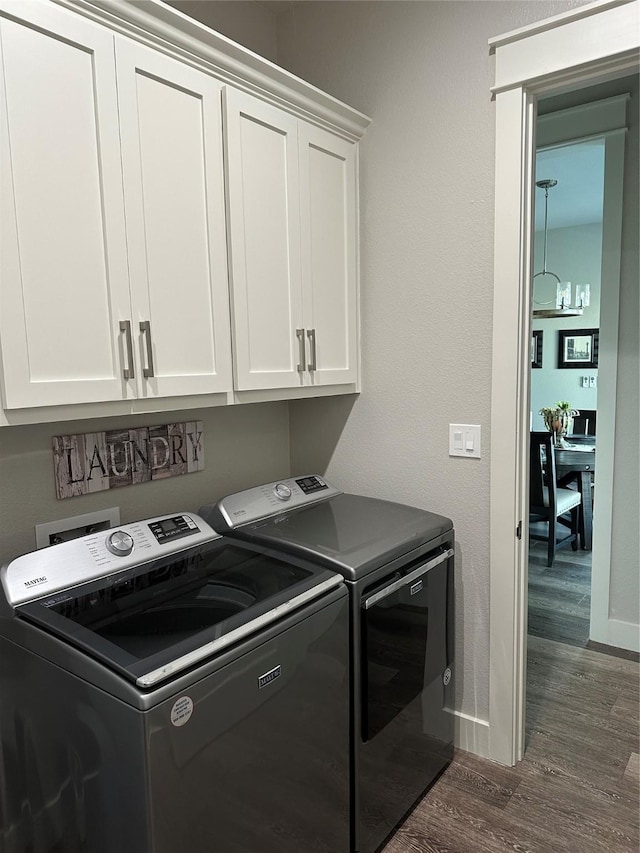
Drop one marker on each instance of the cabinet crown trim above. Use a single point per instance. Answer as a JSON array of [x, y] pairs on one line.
[[173, 32]]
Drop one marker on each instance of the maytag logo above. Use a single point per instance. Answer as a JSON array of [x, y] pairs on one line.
[[268, 677], [35, 581]]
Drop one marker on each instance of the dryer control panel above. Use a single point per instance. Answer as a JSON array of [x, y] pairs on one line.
[[41, 573], [267, 500]]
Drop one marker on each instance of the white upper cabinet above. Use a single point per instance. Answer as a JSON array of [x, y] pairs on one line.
[[291, 194], [106, 297], [171, 131], [178, 226], [329, 255], [63, 274], [263, 199]]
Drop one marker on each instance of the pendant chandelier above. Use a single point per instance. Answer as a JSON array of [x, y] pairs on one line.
[[563, 307]]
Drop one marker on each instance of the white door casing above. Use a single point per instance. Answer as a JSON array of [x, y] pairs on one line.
[[581, 47]]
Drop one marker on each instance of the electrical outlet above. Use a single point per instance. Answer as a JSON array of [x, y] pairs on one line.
[[593, 382], [585, 381]]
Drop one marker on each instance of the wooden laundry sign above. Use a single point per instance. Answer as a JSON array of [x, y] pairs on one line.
[[96, 461]]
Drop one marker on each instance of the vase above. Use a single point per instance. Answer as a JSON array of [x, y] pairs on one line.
[[557, 422], [559, 438]]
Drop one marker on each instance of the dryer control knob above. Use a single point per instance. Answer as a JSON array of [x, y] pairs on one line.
[[119, 543], [282, 491]]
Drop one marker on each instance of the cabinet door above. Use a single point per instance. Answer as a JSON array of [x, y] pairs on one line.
[[329, 255], [63, 269], [171, 130], [263, 209]]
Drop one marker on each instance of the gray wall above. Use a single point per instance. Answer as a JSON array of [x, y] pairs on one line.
[[243, 445], [250, 23], [422, 71], [576, 255]]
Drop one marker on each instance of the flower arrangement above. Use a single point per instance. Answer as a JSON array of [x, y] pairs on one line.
[[557, 420]]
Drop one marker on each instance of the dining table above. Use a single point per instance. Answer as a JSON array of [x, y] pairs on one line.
[[576, 464]]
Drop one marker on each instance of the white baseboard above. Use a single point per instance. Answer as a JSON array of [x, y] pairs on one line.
[[614, 632], [471, 734], [623, 635]]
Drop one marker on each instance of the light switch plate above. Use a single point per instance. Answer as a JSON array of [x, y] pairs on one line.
[[464, 440]]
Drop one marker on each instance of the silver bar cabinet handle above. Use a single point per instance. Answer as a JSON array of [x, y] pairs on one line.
[[128, 372], [145, 328], [302, 363], [311, 334]]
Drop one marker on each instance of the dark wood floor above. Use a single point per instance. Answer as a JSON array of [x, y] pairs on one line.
[[560, 596], [577, 788]]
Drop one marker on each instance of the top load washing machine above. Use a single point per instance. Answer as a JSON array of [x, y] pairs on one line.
[[398, 564], [165, 690]]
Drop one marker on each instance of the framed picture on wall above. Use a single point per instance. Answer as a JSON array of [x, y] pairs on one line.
[[536, 348], [578, 348]]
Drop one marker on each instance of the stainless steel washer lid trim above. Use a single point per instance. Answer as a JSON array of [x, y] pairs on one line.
[[155, 676]]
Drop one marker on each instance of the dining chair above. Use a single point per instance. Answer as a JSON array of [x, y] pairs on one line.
[[584, 423], [558, 508]]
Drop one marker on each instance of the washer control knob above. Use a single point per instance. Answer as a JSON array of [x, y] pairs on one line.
[[119, 543], [282, 491]]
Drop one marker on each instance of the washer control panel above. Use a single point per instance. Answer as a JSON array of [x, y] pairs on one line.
[[49, 570], [312, 484], [267, 500], [167, 529]]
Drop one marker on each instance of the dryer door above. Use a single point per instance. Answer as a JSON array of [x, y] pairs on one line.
[[404, 640]]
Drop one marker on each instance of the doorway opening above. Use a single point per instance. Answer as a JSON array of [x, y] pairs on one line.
[[564, 372]]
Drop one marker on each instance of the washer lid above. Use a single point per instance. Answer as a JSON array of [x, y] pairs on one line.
[[351, 534], [162, 617]]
